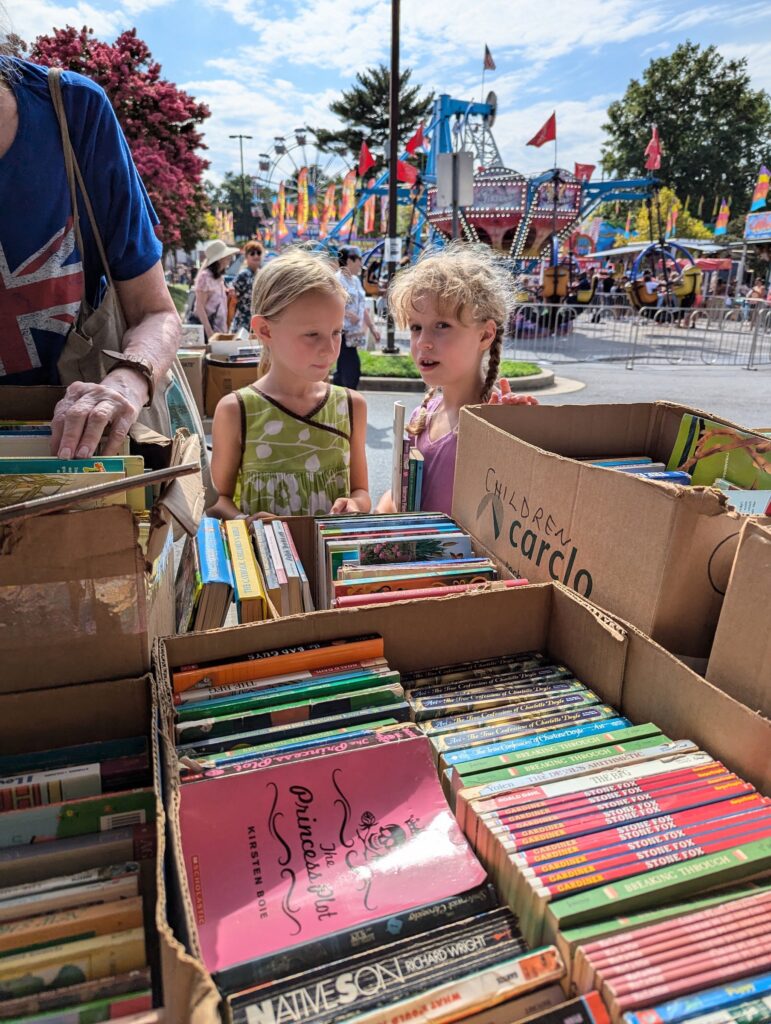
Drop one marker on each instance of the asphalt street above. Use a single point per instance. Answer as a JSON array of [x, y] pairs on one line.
[[743, 396]]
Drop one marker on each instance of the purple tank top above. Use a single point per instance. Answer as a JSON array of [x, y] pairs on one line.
[[438, 464]]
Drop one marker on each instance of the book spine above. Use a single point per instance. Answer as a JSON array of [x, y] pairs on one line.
[[130, 982], [495, 733], [70, 925], [415, 595], [92, 814], [459, 998], [418, 500], [411, 477], [263, 554], [275, 555], [405, 969], [405, 475], [356, 940], [41, 788], [215, 565], [715, 998], [243, 562]]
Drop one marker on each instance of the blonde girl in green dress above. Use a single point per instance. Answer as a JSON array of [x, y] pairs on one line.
[[291, 443]]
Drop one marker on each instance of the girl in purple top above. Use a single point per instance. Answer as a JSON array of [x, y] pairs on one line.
[[455, 303]]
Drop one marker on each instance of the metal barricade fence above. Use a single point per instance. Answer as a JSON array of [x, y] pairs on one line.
[[738, 334]]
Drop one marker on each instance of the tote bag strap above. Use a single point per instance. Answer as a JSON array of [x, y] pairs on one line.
[[74, 175]]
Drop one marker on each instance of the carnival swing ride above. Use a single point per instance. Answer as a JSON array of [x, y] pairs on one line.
[[527, 219]]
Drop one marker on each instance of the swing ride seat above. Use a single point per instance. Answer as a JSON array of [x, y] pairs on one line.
[[640, 297], [689, 283]]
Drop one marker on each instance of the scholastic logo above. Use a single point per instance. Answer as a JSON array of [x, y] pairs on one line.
[[534, 532]]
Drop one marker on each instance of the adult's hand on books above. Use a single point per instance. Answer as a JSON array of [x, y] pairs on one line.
[[89, 411], [505, 396]]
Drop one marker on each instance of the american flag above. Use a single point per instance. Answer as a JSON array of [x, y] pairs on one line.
[[489, 63]]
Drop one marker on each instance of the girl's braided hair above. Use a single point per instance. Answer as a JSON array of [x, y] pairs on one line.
[[467, 282]]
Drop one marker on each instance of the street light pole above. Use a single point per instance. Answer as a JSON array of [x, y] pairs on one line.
[[243, 183], [393, 158]]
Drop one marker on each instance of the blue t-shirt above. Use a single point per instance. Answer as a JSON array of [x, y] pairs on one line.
[[42, 277]]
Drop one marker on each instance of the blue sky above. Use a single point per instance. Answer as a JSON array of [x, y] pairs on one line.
[[265, 67]]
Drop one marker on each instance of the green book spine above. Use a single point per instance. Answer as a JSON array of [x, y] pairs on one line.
[[413, 469], [77, 817], [656, 887], [197, 710], [286, 714], [551, 750]]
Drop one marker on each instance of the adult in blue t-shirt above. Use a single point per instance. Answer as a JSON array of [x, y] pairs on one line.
[[43, 276]]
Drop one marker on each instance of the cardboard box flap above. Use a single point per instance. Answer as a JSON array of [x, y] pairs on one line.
[[740, 661], [63, 502], [659, 688]]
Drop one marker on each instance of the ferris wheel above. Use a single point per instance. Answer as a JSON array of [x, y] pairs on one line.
[[283, 161]]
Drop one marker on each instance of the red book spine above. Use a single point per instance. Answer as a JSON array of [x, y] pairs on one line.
[[516, 808], [650, 829], [597, 822], [619, 946], [697, 841], [730, 786], [724, 933], [414, 595], [651, 864], [638, 847], [716, 975]]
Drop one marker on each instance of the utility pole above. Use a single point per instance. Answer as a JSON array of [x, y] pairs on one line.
[[243, 183], [391, 255]]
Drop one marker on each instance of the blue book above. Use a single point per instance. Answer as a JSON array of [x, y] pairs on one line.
[[706, 1001], [631, 460], [418, 483], [215, 565], [539, 740]]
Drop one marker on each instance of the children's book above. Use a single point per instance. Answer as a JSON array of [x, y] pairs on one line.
[[283, 603], [397, 468], [294, 585], [308, 604], [707, 450], [266, 563], [285, 856], [247, 577]]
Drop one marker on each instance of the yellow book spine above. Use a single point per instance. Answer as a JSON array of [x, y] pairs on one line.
[[246, 572], [100, 957], [76, 924]]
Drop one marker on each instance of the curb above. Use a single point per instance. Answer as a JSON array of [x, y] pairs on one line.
[[535, 382]]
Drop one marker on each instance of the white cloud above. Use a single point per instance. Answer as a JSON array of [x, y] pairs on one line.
[[37, 17], [758, 60]]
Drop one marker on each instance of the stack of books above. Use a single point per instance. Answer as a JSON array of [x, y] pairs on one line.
[[374, 559], [328, 875], [257, 566], [25, 476], [76, 823], [583, 820]]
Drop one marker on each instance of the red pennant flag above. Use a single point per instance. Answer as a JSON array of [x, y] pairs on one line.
[[417, 141], [653, 151], [489, 63], [547, 133], [584, 171], [406, 172], [366, 159]]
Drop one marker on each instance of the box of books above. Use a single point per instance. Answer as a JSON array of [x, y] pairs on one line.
[[740, 662], [614, 501], [85, 586], [311, 762], [83, 928]]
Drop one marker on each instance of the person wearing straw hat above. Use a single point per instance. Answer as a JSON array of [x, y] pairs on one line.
[[211, 295]]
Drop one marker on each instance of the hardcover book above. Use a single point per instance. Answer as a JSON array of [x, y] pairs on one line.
[[285, 856]]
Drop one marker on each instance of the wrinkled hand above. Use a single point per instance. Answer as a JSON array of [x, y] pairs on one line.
[[344, 507], [507, 396], [89, 411]]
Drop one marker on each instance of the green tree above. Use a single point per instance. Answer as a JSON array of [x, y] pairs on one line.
[[235, 194], [715, 129], [363, 109], [688, 226]]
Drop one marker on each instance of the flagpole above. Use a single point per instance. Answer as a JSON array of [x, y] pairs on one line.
[[484, 71]]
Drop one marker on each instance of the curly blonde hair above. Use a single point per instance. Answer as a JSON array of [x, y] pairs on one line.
[[287, 278], [467, 282]]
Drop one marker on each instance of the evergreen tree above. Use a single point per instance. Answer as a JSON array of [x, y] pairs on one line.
[[715, 129], [363, 109]]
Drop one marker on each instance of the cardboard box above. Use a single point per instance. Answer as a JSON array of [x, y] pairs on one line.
[[626, 669], [740, 662], [102, 711], [191, 361], [222, 377], [79, 600], [657, 555]]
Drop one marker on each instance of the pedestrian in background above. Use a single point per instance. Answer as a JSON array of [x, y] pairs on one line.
[[357, 319], [243, 285]]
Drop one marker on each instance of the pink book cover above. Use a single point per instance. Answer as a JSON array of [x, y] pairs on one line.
[[278, 563], [283, 856]]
